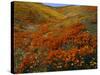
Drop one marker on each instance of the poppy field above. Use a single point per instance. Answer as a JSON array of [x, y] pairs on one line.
[[48, 38]]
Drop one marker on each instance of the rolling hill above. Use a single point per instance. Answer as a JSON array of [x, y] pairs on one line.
[[36, 10], [50, 38], [28, 16], [33, 14], [84, 14]]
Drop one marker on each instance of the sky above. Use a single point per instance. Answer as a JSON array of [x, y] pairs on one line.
[[55, 5]]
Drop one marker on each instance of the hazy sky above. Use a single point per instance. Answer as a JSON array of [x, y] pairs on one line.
[[55, 5]]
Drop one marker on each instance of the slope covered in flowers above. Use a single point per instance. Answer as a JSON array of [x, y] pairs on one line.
[[53, 41]]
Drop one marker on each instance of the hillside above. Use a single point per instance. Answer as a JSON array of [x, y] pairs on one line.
[[84, 14], [33, 14], [28, 16], [48, 38]]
